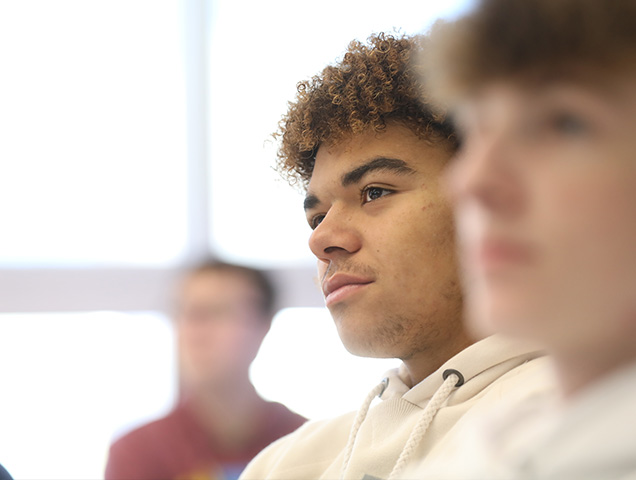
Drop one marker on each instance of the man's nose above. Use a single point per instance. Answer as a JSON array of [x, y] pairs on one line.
[[336, 235]]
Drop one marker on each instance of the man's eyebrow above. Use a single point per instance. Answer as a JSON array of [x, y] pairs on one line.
[[354, 176], [310, 201], [381, 163]]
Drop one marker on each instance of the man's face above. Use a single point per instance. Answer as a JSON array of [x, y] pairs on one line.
[[545, 192], [383, 237], [220, 326]]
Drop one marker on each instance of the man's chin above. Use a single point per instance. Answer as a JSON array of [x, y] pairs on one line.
[[358, 340], [363, 347]]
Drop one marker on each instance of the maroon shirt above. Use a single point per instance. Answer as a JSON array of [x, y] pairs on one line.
[[176, 447]]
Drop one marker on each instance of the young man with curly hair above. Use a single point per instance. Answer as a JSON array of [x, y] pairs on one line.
[[369, 155], [544, 187]]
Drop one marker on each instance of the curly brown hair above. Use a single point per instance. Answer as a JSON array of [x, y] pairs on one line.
[[373, 84]]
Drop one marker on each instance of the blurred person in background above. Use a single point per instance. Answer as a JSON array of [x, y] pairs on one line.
[[544, 187], [223, 313], [369, 156]]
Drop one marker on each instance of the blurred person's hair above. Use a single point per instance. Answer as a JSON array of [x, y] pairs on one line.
[[258, 279], [373, 84], [530, 39]]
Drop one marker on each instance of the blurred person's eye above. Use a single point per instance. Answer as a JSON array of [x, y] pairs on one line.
[[552, 124], [224, 312], [203, 313], [568, 123], [197, 314]]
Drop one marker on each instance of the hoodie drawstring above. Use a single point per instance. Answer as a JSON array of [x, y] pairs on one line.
[[377, 391], [452, 379]]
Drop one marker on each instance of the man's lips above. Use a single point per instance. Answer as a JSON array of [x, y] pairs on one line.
[[340, 285]]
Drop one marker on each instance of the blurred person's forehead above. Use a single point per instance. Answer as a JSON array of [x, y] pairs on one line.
[[615, 86], [588, 75], [220, 285]]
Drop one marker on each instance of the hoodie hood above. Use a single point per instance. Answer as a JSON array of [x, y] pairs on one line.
[[475, 367], [479, 365], [407, 425]]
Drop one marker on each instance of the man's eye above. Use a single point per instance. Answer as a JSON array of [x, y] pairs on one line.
[[315, 221], [373, 193]]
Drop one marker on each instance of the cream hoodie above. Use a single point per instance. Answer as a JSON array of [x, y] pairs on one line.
[[591, 436], [408, 424]]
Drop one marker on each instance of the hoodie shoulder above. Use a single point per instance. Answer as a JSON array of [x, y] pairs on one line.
[[306, 453]]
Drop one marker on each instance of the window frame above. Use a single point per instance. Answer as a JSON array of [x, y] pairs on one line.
[[74, 288]]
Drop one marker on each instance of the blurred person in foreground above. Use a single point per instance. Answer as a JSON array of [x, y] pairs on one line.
[[369, 156], [224, 312], [544, 187]]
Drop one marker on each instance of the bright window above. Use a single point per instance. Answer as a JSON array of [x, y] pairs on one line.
[[303, 364], [73, 381], [93, 155]]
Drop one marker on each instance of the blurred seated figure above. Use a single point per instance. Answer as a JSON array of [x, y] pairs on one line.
[[220, 422]]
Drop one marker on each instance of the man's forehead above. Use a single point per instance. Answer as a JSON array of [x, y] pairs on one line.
[[398, 150], [362, 152]]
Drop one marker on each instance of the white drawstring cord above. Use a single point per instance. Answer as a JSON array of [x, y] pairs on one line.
[[453, 379], [377, 391]]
